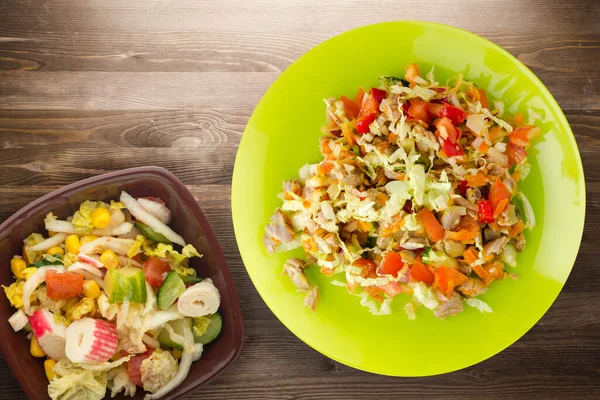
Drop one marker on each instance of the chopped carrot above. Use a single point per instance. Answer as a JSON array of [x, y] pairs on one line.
[[326, 271], [516, 229], [473, 93], [325, 149], [412, 71], [462, 236], [496, 133], [447, 279], [364, 226], [348, 134], [382, 198], [419, 272], [476, 180], [518, 120], [325, 167], [470, 255], [351, 109], [483, 148], [498, 197], [434, 229], [358, 97], [483, 99], [482, 273], [500, 207]]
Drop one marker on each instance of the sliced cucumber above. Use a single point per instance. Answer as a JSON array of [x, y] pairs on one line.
[[127, 283], [190, 280], [178, 327], [151, 233], [212, 331], [171, 289]]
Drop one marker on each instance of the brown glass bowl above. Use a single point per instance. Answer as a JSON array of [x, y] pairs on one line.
[[187, 220]]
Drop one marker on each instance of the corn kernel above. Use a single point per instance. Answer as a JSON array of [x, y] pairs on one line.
[[91, 289], [49, 368], [177, 353], [72, 244], [51, 233], [35, 348], [17, 265], [27, 272], [86, 239], [101, 217], [54, 251], [109, 259]]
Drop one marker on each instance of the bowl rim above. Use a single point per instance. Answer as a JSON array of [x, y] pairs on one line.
[[24, 213], [561, 119]]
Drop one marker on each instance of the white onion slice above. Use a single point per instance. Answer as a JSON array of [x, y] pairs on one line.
[[50, 242], [144, 216]]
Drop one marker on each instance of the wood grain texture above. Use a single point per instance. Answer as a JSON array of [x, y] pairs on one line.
[[99, 85]]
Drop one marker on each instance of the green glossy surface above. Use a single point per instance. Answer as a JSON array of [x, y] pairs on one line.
[[282, 135]]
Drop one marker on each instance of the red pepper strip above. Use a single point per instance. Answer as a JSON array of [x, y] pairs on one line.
[[378, 94], [453, 149], [462, 187], [485, 213], [455, 114], [362, 125]]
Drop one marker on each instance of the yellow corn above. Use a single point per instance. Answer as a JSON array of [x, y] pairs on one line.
[[109, 259], [17, 265], [91, 289], [72, 244], [101, 217], [27, 272], [35, 348], [53, 251], [51, 233], [49, 368], [177, 353], [86, 239]]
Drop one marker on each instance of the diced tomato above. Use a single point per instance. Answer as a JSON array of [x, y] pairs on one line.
[[499, 196], [412, 71], [369, 106], [358, 97], [378, 94], [447, 279], [515, 154], [446, 130], [418, 110], [63, 285], [419, 272], [455, 114], [392, 264], [134, 366], [156, 271], [435, 109], [462, 187], [363, 123], [434, 229], [351, 109], [522, 136], [483, 99], [453, 149], [485, 213], [405, 107], [470, 255]]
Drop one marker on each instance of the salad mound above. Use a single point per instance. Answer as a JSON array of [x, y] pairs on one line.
[[416, 193], [108, 298]]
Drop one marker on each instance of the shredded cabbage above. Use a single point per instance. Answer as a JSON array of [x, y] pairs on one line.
[[75, 383], [479, 304]]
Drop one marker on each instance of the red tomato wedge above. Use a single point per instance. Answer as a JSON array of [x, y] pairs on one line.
[[391, 265], [419, 272], [447, 279], [63, 285], [455, 114], [434, 229], [156, 271], [350, 108], [378, 94], [363, 123]]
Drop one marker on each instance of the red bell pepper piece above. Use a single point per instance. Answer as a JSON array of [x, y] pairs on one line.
[[446, 129], [453, 149], [378, 94], [351, 108], [485, 212], [392, 264], [362, 125], [455, 114]]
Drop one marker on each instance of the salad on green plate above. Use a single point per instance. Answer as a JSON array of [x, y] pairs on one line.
[[416, 193], [107, 298]]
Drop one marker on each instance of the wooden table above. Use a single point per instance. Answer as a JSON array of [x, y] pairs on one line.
[[93, 86]]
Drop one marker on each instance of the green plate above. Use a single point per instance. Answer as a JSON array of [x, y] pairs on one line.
[[282, 136]]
